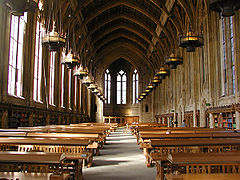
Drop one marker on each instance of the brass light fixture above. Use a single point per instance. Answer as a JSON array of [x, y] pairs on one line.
[[190, 41], [156, 80], [96, 91], [80, 72], [225, 7], [163, 72], [88, 80], [92, 87], [173, 60], [141, 97], [71, 57], [55, 39], [143, 94], [18, 7], [147, 90], [150, 86]]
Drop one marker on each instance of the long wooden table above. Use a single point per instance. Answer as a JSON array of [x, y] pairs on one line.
[[197, 163], [32, 176], [202, 163]]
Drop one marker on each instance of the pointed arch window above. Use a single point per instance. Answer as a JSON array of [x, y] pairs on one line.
[[232, 53], [223, 58], [52, 77], [107, 86], [38, 58], [15, 66], [135, 86], [227, 56], [121, 87]]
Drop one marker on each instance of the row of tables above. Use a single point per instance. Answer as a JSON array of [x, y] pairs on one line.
[[165, 146], [56, 149]]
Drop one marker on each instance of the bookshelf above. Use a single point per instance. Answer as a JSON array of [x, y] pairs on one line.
[[53, 119], [17, 119], [39, 119], [224, 117]]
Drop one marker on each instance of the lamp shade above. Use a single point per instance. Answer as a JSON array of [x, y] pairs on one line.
[[173, 60], [190, 41], [53, 40], [163, 72], [70, 60]]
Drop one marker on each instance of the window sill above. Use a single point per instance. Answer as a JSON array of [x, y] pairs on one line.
[[38, 101], [19, 97]]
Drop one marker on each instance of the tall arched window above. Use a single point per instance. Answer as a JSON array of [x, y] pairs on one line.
[[135, 86], [121, 87], [38, 61], [16, 46], [107, 86], [228, 56]]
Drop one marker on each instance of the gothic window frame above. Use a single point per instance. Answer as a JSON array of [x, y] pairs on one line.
[[16, 51], [121, 87], [38, 58], [52, 77], [135, 82], [107, 86]]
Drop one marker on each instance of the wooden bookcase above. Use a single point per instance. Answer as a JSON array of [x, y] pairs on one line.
[[18, 119], [224, 117], [39, 119]]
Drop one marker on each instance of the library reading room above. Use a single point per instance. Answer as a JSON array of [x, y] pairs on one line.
[[119, 89]]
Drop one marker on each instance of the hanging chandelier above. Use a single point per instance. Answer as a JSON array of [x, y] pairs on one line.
[[225, 7], [80, 72], [163, 73], [143, 94], [173, 60], [150, 86], [88, 80], [18, 7], [71, 59], [54, 39], [96, 91], [92, 87], [156, 80], [191, 41], [147, 90]]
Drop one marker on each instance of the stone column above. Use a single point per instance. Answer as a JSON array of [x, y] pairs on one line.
[[48, 119], [4, 118], [30, 120], [211, 124], [237, 119], [194, 118]]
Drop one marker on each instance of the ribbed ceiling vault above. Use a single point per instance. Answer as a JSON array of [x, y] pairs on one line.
[[150, 28]]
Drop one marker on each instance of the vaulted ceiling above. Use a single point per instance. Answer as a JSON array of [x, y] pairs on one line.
[[148, 29]]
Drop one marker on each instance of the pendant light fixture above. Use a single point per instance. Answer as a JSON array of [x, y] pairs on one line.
[[150, 86], [190, 41], [156, 80], [162, 73], [54, 39], [225, 7], [173, 60], [71, 58], [80, 72], [88, 80], [18, 7]]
